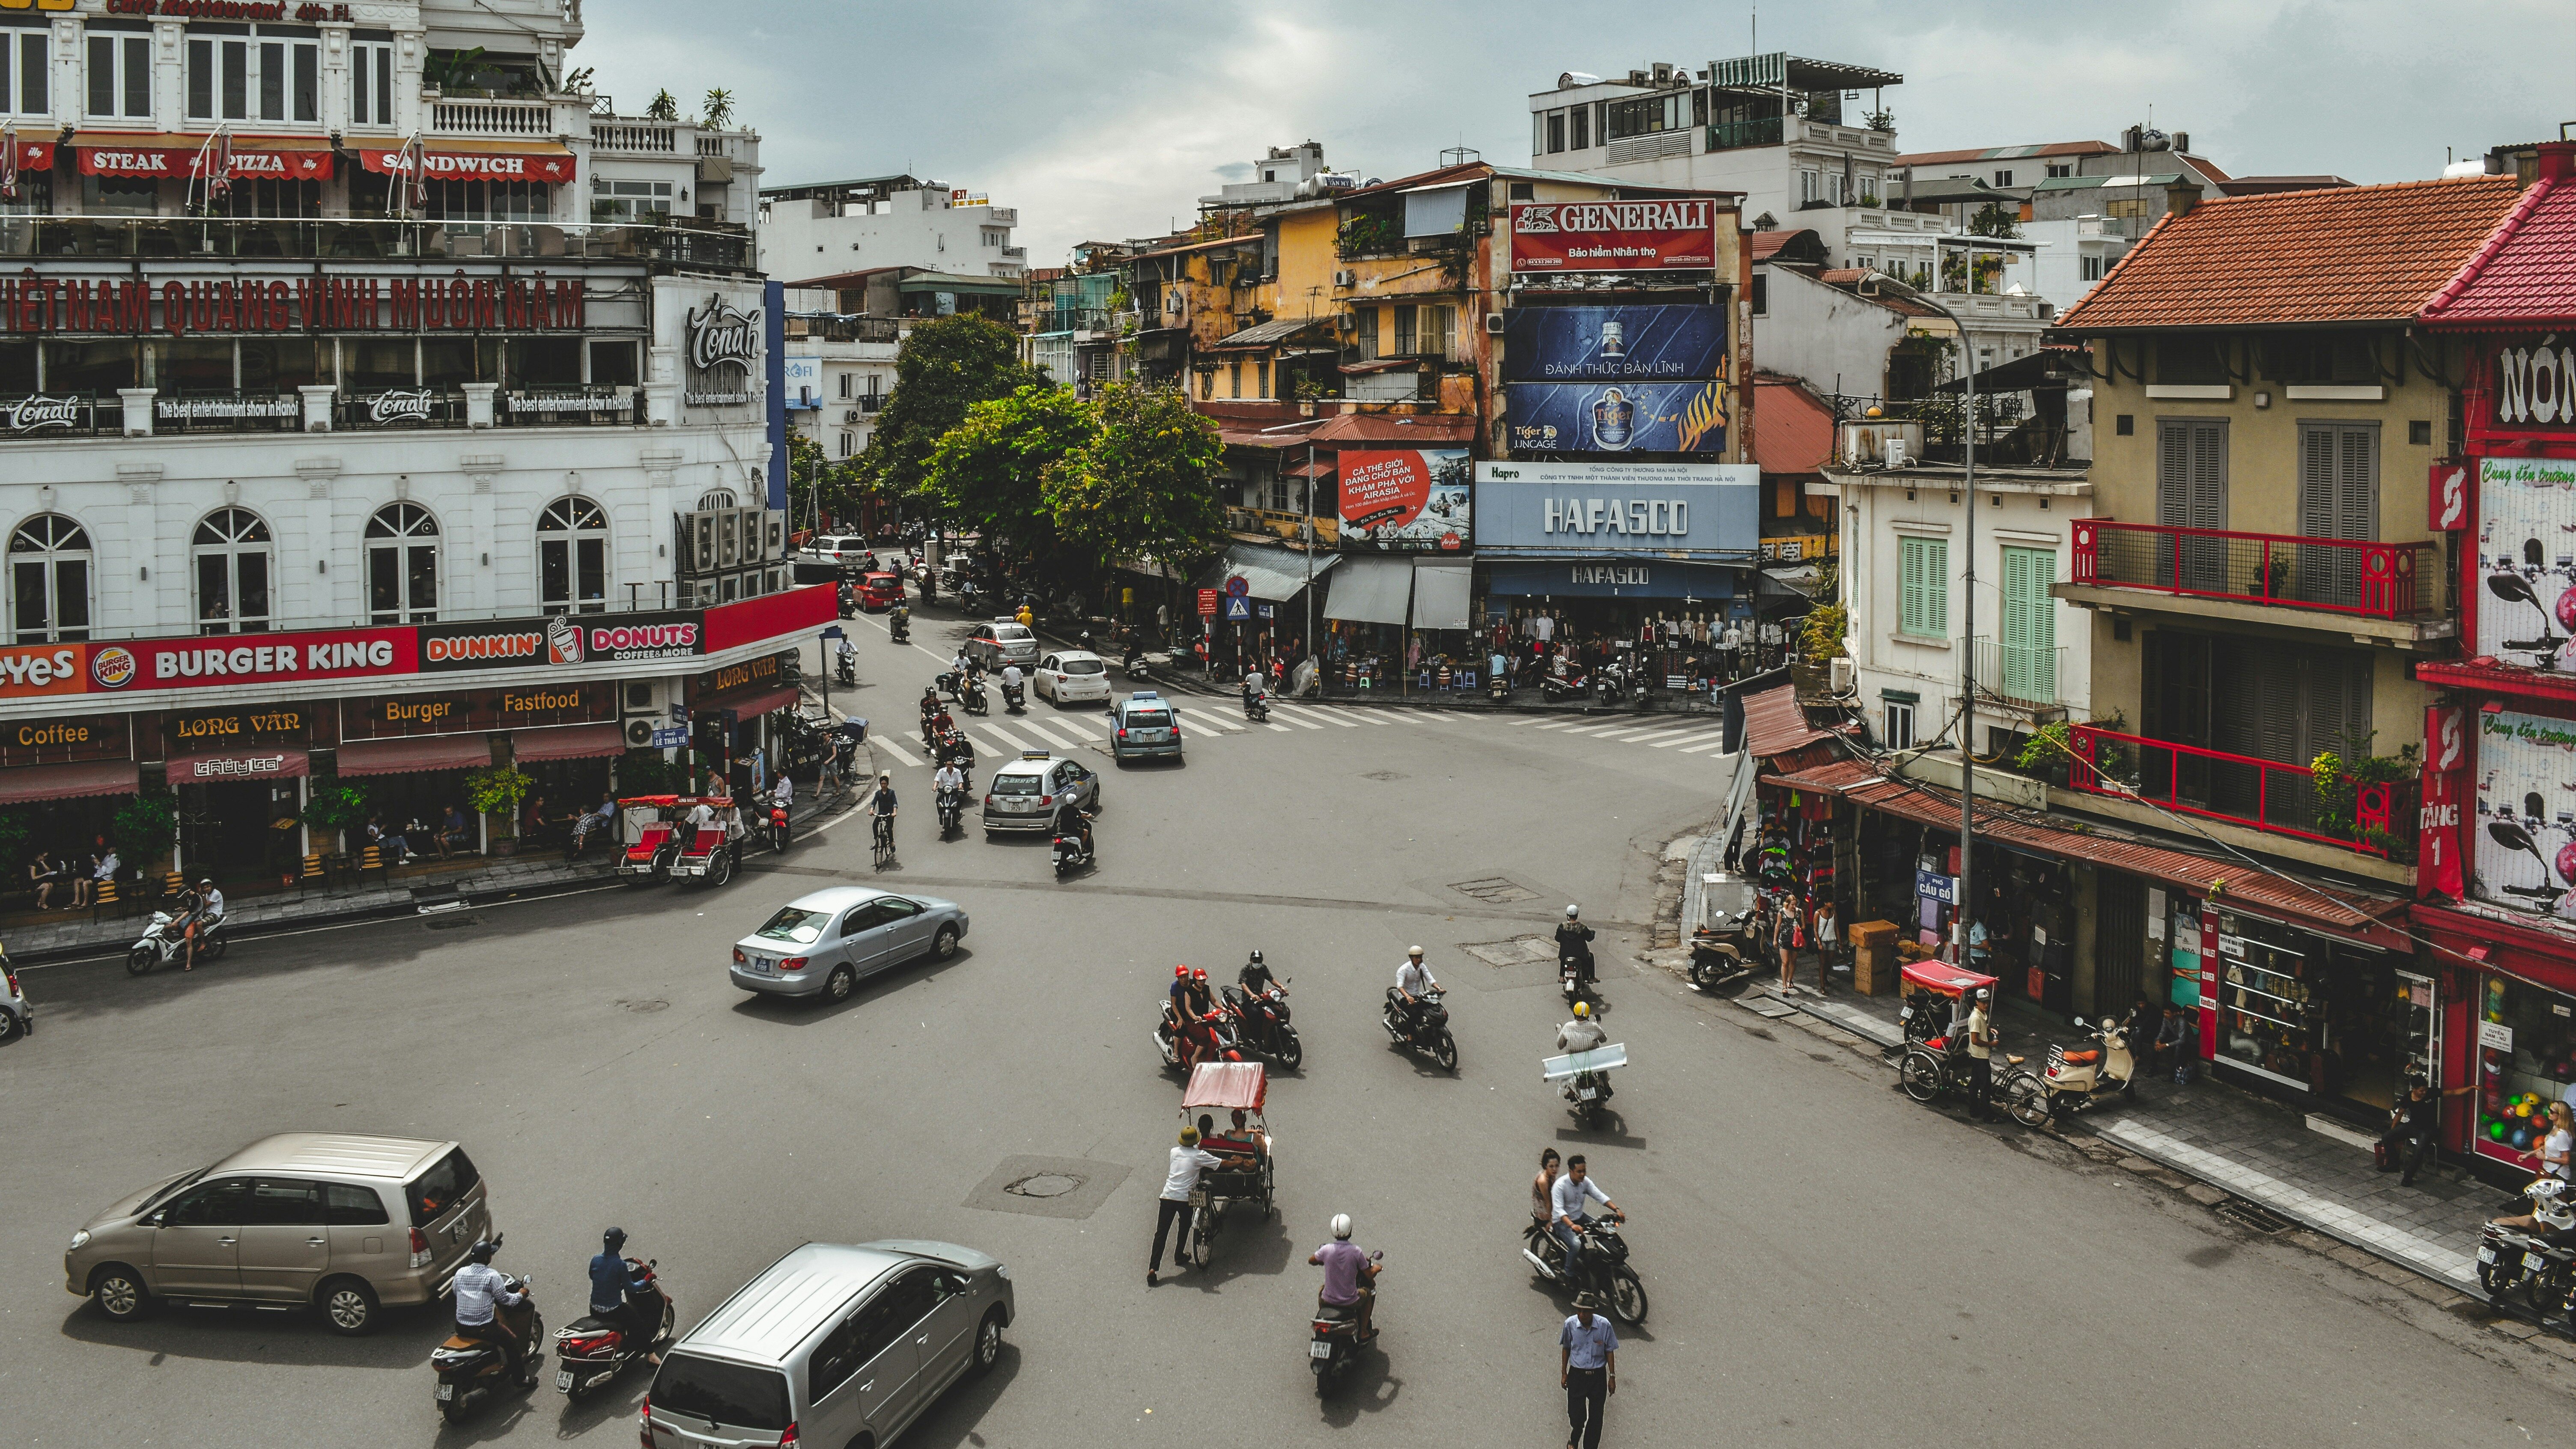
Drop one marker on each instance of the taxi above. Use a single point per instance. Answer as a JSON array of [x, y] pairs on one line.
[[1147, 724], [1025, 793]]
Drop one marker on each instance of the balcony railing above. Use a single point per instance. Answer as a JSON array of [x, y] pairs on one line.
[[326, 239], [492, 118], [1732, 135], [2270, 796], [645, 138], [2342, 576], [2021, 674]]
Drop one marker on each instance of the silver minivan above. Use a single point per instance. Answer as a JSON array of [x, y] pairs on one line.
[[339, 1222], [830, 1346]]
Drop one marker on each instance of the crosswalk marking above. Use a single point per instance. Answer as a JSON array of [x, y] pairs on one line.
[[1283, 729], [1712, 744], [1588, 729], [1052, 733], [1010, 742], [1685, 737], [1634, 731], [1558, 724], [887, 744], [1081, 724], [1211, 717], [1332, 718]]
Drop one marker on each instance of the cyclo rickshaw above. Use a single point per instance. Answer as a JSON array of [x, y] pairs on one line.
[[666, 848], [1935, 1057], [1223, 1088]]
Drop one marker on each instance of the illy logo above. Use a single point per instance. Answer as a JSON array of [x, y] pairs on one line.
[[32, 414], [408, 406]]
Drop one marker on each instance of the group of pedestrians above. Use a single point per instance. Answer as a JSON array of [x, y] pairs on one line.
[[80, 877], [1587, 1365]]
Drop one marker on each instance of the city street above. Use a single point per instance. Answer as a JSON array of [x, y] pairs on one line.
[[1828, 1263]]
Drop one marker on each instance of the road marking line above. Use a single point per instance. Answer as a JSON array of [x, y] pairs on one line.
[[1695, 749], [1588, 729], [1080, 724], [1686, 735], [1010, 741], [1558, 724], [1300, 714], [1060, 741], [1632, 732], [887, 744], [1213, 718], [1283, 729]]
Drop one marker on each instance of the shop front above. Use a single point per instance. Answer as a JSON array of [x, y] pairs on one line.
[[1253, 605], [733, 718], [240, 778], [67, 774], [414, 752], [2508, 1025]]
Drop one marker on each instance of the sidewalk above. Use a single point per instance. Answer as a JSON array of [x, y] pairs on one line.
[[2311, 1169]]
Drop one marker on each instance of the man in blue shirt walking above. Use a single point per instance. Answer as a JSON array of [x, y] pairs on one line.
[[1588, 1369]]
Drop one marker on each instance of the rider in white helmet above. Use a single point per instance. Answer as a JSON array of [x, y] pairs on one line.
[[1348, 1274], [2552, 1209], [1575, 939]]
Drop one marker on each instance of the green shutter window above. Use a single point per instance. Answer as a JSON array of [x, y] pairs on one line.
[[1924, 590], [2030, 626]]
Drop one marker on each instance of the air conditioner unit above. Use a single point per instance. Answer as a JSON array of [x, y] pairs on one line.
[[1346, 279], [1895, 455], [1494, 323], [774, 526], [1346, 322], [1838, 675], [641, 699], [639, 733], [701, 540], [755, 535], [850, 415], [728, 538]]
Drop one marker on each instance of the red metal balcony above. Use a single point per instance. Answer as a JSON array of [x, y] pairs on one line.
[[2341, 576], [2265, 795]]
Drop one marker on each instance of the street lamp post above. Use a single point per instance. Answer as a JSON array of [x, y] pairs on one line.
[[1959, 923]]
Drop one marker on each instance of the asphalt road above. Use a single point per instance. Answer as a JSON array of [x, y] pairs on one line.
[[1828, 1262]]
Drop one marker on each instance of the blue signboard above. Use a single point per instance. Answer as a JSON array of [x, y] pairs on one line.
[[1616, 417], [1613, 344], [1931, 885], [1617, 510], [1237, 607]]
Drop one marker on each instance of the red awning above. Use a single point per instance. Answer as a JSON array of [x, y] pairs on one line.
[[30, 155], [228, 766], [567, 742], [254, 158], [69, 782], [477, 161], [415, 756], [750, 704], [1321, 468]]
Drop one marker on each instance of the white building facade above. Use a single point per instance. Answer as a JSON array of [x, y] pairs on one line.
[[835, 228]]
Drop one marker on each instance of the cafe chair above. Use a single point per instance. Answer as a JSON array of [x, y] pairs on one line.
[[312, 876], [103, 896]]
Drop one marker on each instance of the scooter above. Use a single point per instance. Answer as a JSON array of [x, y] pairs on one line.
[[1134, 666], [952, 808], [2506, 1257], [974, 698], [849, 601], [2073, 1081], [1070, 855], [1430, 1030], [1336, 1342], [1601, 1268], [1014, 697], [472, 1370], [1256, 708], [593, 1350], [1499, 688], [162, 944], [1588, 1096], [1558, 687], [1167, 1041], [1570, 972], [1261, 1025], [845, 671], [899, 628]]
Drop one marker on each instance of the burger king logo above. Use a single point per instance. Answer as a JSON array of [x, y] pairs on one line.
[[112, 667]]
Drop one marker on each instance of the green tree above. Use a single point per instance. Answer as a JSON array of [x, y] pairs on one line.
[[719, 109], [809, 472], [988, 473], [1141, 487], [945, 367], [142, 828], [1993, 219], [663, 107]]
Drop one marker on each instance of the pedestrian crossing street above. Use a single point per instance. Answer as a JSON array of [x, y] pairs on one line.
[[1221, 722]]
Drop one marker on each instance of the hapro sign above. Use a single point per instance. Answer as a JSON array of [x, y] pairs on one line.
[[1672, 510]]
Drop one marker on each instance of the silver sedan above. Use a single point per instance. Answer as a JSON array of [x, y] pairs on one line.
[[826, 943]]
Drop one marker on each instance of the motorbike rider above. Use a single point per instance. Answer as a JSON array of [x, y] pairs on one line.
[[1349, 1276], [1256, 981], [1581, 1034], [931, 710], [1255, 977], [1253, 686], [202, 921], [846, 658], [1073, 820], [1575, 939], [1566, 1199], [2552, 1213], [1010, 680], [1412, 980], [480, 1290], [616, 1287], [947, 780]]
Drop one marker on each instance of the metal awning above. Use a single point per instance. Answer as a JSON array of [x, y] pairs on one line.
[[1440, 590], [1275, 575], [31, 783], [1372, 591], [567, 742], [417, 755], [1267, 334]]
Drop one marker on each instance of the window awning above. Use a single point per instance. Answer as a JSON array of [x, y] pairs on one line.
[[1275, 575], [417, 755], [31, 783], [751, 703], [567, 742], [25, 155], [230, 766], [476, 161], [1440, 590], [1371, 591], [254, 158]]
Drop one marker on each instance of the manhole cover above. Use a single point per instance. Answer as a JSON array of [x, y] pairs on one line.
[[645, 1006], [2245, 1214], [1044, 1184], [1494, 890], [1048, 1187]]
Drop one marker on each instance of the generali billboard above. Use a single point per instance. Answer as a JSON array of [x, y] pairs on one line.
[[1678, 234]]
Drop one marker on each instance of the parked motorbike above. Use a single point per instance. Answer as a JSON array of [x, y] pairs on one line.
[[471, 1370], [1014, 697], [164, 941], [593, 1350], [1555, 687], [1498, 688], [1600, 1268], [1261, 1025], [1134, 666], [1429, 1031], [1069, 855], [2073, 1081], [2506, 1257], [1724, 954], [952, 809], [1336, 1342], [974, 699]]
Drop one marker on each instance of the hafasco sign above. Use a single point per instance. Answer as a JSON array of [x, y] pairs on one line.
[[2535, 385], [1417, 500], [722, 338], [1614, 236], [1595, 511], [446, 647]]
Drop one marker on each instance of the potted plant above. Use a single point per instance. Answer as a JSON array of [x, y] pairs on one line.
[[335, 808], [498, 791]]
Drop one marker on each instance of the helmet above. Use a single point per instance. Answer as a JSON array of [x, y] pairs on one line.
[[1981, 993], [1573, 911], [209, 880], [1582, 1009], [1256, 959], [1199, 975], [1342, 1227], [1416, 951], [1180, 973], [482, 1252], [613, 1239]]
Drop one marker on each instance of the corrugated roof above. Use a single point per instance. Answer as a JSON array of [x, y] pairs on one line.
[[2353, 254], [2526, 272], [1425, 430], [1793, 429], [2086, 183], [1775, 724], [1268, 334]]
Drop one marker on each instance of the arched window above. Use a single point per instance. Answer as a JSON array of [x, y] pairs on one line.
[[234, 566], [402, 565], [572, 557], [49, 572]]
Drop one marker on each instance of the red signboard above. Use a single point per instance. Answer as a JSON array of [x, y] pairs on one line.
[[1615, 236], [257, 158], [1208, 602], [1414, 500], [771, 616], [536, 162], [215, 661], [2446, 777], [2447, 499]]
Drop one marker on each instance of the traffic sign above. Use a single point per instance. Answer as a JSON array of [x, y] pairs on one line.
[[1238, 607], [1238, 586], [1207, 601], [1264, 610], [671, 736]]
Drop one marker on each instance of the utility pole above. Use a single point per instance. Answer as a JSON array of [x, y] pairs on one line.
[[1959, 922]]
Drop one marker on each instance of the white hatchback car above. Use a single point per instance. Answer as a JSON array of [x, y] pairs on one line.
[[1072, 675]]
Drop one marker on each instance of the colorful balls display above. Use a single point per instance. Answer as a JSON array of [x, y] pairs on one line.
[[2495, 1131], [2522, 1139]]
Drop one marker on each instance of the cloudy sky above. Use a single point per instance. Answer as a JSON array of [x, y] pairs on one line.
[[1111, 119]]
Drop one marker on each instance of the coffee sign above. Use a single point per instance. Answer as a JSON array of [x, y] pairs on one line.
[[449, 647]]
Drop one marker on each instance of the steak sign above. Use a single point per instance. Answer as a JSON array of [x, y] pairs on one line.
[[1615, 236]]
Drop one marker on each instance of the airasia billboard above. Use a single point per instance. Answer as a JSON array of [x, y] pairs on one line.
[[1678, 234], [1415, 501]]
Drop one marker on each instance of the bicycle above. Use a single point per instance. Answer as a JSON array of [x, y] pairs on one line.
[[884, 841]]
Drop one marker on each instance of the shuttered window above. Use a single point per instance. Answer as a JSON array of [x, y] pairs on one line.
[[2338, 498], [2030, 626], [2286, 703], [2191, 492], [1924, 589]]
